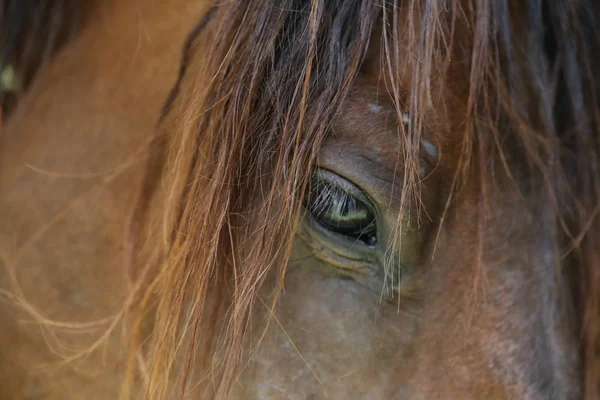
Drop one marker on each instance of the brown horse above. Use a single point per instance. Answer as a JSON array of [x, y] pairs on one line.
[[321, 199]]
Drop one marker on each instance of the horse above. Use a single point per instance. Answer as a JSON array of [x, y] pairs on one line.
[[300, 199]]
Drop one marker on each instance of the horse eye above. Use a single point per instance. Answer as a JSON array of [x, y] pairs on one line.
[[339, 211]]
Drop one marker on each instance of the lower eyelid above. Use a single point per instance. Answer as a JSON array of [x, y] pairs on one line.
[[336, 256]]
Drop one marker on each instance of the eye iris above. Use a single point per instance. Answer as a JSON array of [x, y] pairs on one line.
[[340, 212]]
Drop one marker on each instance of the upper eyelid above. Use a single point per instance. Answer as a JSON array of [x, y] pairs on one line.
[[335, 197], [347, 186]]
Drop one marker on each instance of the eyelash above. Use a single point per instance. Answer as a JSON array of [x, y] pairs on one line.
[[340, 212]]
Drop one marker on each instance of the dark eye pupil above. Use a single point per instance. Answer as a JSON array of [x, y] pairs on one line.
[[340, 212]]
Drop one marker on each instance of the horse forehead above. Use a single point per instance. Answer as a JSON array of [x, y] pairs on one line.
[[369, 121]]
